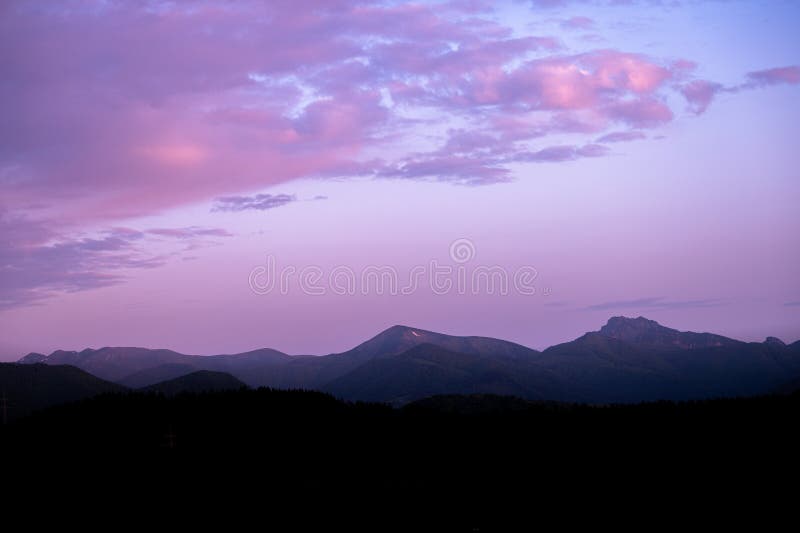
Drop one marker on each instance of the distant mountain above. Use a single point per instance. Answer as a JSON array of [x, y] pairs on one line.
[[30, 387], [139, 367], [649, 333], [627, 360], [112, 364], [157, 374], [400, 339], [427, 369], [196, 382], [318, 372], [636, 359]]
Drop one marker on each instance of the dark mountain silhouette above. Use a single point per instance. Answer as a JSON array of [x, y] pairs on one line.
[[789, 387], [112, 364], [27, 388], [400, 339], [632, 360], [644, 332], [627, 360], [318, 372], [197, 382], [426, 370], [157, 374], [139, 367]]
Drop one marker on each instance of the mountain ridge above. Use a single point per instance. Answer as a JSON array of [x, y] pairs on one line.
[[626, 360]]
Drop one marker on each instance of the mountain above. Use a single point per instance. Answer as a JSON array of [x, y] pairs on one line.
[[644, 332], [427, 369], [196, 382], [111, 364], [636, 359], [789, 387], [399, 339], [626, 360], [139, 367], [157, 374], [31, 387], [317, 372]]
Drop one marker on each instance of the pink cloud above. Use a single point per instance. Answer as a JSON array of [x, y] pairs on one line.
[[126, 107], [645, 112], [570, 82], [774, 76], [699, 94]]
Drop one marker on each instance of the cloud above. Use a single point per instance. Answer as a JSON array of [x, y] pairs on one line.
[[774, 76], [128, 104], [621, 136], [699, 94], [657, 302], [453, 168], [115, 110], [578, 23], [562, 153], [190, 232], [792, 304], [259, 202], [645, 112], [36, 263]]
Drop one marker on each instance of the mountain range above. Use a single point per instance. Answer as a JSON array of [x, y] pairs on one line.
[[627, 360]]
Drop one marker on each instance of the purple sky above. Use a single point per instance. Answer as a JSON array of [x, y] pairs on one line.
[[635, 158]]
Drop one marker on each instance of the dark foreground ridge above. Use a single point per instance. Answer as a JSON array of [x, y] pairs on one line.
[[463, 458]]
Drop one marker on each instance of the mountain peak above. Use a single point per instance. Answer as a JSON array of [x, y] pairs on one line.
[[400, 329], [398, 339], [33, 358], [622, 326], [774, 341], [642, 330]]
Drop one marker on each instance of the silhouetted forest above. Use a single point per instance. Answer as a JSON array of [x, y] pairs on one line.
[[458, 448]]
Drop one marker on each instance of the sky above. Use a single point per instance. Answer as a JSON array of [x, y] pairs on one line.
[[215, 177]]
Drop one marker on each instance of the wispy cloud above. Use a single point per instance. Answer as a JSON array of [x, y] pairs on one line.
[[190, 232], [621, 136], [700, 93], [36, 263], [655, 302], [774, 76], [259, 202]]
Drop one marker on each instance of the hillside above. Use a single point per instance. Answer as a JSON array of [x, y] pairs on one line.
[[27, 388], [196, 382]]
